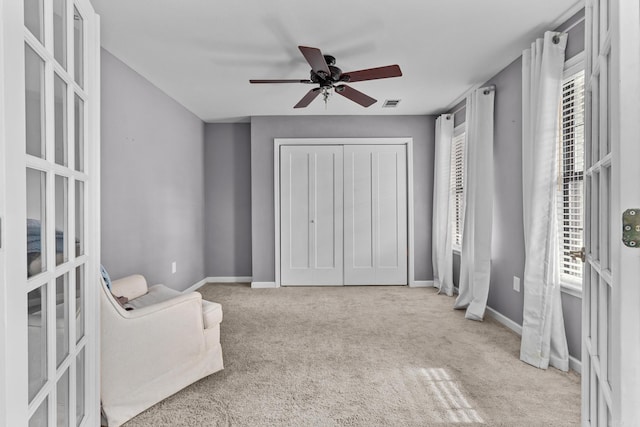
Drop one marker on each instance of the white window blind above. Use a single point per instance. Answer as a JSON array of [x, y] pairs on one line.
[[570, 183], [457, 187]]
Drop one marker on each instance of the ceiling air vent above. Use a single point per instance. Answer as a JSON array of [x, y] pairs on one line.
[[391, 103]]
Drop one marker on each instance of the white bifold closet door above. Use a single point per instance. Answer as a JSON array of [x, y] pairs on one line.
[[362, 186], [311, 215], [375, 215]]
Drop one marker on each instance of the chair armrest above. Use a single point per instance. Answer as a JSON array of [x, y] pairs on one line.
[[145, 344], [163, 306], [131, 287]]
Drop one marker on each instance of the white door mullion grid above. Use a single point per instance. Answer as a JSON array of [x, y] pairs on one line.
[[13, 39], [611, 350], [14, 304], [624, 22]]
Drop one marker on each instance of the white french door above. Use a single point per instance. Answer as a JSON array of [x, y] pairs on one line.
[[343, 215], [611, 288], [311, 215], [375, 215], [49, 194]]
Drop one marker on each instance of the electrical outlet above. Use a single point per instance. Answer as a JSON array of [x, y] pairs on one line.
[[516, 283], [174, 267]]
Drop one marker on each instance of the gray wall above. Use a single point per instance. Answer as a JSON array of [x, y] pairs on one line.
[[508, 238], [152, 181], [227, 153], [265, 129], [507, 248]]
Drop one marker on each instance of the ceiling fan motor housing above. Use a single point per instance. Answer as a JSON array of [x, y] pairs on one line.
[[336, 76]]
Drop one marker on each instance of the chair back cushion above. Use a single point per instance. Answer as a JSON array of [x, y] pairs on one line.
[[105, 277]]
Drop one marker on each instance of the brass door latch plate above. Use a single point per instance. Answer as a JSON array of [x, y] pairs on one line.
[[631, 228]]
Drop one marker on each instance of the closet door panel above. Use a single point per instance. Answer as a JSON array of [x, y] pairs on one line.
[[392, 216], [375, 215], [358, 215], [297, 209], [311, 215], [328, 246]]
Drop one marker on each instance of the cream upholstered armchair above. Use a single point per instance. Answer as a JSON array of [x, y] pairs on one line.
[[158, 343]]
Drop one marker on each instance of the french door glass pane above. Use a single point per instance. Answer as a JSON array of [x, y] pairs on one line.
[[610, 319], [34, 17], [60, 32], [62, 219], [80, 370], [607, 143], [78, 44], [60, 113], [40, 417], [62, 318], [79, 218], [62, 392], [37, 338], [79, 302], [34, 102], [79, 133], [36, 222]]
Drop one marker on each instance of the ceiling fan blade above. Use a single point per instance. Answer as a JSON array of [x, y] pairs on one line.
[[306, 100], [355, 95], [315, 58], [373, 73], [280, 81]]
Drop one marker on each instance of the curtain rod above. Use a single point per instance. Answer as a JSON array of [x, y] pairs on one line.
[[485, 90], [493, 87], [462, 107], [488, 89], [575, 24], [556, 38]]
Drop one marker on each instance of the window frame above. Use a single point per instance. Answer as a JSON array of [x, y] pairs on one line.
[[572, 66]]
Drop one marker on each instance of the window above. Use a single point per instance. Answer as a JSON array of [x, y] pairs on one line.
[[571, 175], [457, 184]]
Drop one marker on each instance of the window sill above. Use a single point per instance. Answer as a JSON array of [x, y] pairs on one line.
[[572, 290]]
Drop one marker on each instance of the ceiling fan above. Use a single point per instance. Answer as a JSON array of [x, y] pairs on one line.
[[327, 76]]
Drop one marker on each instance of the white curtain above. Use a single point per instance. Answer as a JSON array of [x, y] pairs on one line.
[[544, 341], [442, 257], [475, 259]]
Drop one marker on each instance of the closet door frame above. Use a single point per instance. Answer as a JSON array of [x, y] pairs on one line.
[[408, 142]]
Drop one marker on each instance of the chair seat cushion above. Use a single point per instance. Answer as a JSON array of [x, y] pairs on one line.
[[211, 311]]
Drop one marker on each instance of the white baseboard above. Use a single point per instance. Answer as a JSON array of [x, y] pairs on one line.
[[421, 284], [501, 318], [224, 279], [574, 364], [197, 286], [229, 279], [263, 285]]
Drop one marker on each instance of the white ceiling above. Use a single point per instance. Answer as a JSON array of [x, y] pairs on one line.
[[203, 52]]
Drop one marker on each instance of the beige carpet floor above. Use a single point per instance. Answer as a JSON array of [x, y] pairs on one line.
[[364, 356]]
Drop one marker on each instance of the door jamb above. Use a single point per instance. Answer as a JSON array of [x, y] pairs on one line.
[[408, 142]]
